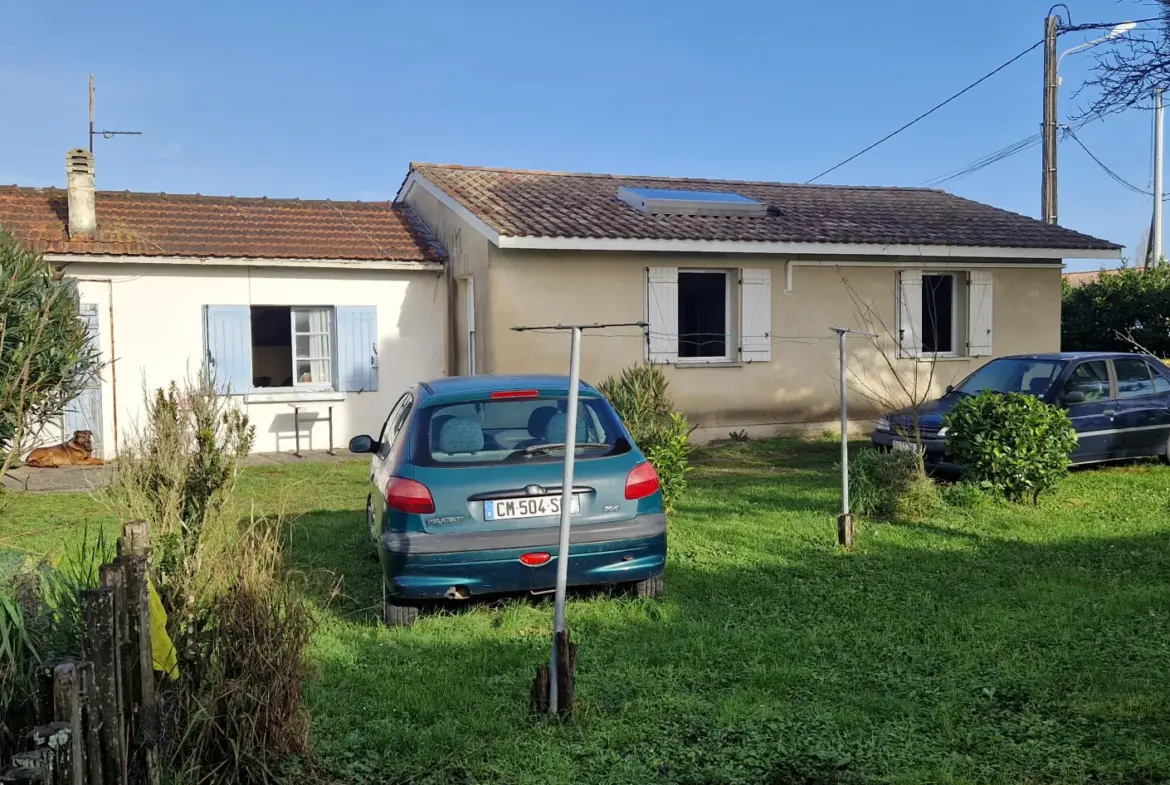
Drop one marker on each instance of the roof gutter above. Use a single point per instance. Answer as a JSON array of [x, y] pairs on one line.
[[246, 261]]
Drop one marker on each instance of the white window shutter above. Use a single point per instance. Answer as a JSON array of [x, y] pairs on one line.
[[979, 313], [910, 313], [662, 313], [755, 315]]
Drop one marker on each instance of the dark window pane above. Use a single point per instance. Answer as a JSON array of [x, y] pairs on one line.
[[1133, 378], [1090, 378], [1161, 383], [702, 314], [938, 317]]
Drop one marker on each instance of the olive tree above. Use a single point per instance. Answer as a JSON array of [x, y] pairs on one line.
[[46, 359]]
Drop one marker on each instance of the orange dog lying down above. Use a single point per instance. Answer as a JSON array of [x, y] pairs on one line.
[[78, 451]]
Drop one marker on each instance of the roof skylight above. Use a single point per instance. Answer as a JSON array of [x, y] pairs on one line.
[[668, 201]]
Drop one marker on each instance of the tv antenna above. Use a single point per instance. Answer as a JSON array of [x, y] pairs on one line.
[[105, 134]]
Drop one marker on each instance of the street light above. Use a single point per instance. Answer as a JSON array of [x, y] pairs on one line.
[[1116, 32]]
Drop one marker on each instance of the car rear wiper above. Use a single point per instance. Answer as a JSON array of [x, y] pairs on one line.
[[537, 449]]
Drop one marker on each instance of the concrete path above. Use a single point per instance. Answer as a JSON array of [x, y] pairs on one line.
[[86, 478]]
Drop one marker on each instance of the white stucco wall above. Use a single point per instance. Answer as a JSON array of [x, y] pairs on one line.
[[157, 336]]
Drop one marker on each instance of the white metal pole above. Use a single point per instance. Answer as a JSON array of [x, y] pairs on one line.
[[1158, 112], [566, 512], [844, 431]]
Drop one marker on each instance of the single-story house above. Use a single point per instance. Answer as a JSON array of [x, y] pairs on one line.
[[316, 314], [739, 284]]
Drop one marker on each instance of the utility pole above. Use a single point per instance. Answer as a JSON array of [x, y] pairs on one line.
[[1051, 83], [1157, 233]]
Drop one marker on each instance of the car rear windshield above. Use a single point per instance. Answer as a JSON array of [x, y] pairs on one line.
[[1034, 377], [517, 430]]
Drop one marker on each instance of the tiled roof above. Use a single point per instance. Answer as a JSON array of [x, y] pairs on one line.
[[522, 203], [146, 224], [1088, 276]]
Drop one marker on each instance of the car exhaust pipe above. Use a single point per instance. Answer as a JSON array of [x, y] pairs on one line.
[[458, 593]]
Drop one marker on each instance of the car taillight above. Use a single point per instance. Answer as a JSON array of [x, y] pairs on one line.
[[641, 481], [409, 496]]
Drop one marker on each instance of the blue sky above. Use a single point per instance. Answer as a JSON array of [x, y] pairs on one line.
[[333, 100]]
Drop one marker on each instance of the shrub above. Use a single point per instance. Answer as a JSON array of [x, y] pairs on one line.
[[640, 396], [964, 496], [885, 484], [1012, 445]]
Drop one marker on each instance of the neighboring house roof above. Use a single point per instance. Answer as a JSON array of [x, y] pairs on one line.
[[148, 224], [530, 204], [1089, 276]]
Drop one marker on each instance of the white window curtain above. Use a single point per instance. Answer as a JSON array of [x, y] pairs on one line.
[[311, 327]]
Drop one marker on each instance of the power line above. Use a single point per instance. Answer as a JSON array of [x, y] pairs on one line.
[[927, 113], [1112, 174]]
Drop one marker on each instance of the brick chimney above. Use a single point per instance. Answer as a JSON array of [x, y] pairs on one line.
[[82, 213]]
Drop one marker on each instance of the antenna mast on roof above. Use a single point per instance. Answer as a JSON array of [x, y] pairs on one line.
[[105, 134]]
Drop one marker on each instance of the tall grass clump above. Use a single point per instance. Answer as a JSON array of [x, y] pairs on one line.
[[886, 484], [234, 713], [640, 394]]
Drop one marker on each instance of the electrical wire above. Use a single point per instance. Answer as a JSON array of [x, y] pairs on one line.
[[927, 113], [1112, 174]]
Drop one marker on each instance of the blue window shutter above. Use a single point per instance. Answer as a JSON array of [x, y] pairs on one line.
[[227, 335], [84, 413], [357, 348]]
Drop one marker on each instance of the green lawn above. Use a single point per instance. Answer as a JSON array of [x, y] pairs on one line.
[[1001, 645]]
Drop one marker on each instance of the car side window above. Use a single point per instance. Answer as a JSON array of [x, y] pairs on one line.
[[1133, 378], [1090, 378], [387, 432], [396, 421], [1161, 383]]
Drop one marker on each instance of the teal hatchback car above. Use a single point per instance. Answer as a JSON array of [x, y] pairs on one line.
[[466, 494]]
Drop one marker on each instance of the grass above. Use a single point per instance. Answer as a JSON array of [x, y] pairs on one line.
[[1001, 644]]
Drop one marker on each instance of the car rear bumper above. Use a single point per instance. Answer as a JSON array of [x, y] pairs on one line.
[[427, 566], [935, 457]]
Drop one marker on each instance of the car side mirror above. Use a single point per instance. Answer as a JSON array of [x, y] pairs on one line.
[[1074, 396], [362, 444], [950, 389]]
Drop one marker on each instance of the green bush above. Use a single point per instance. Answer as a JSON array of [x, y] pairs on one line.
[[890, 484], [1012, 445], [964, 496], [1103, 315], [640, 396]]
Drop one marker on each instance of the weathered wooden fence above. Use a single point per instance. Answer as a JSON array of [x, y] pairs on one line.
[[99, 717]]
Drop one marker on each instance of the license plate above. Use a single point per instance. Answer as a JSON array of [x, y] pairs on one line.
[[905, 446], [526, 507]]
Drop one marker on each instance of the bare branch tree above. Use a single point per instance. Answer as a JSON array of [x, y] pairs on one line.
[[1129, 68]]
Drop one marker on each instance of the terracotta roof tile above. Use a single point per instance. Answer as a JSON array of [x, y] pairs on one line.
[[524, 203], [1087, 276], [221, 226]]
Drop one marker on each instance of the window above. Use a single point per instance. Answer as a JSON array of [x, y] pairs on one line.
[[512, 431], [1091, 378], [704, 315], [938, 314], [1133, 378], [292, 347], [393, 425], [670, 201], [1020, 376], [1161, 383]]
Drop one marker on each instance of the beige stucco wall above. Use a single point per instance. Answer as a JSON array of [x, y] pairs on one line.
[[157, 334], [798, 388], [468, 254]]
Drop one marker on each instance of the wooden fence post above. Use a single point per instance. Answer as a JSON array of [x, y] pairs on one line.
[[113, 575], [67, 710], [141, 670], [101, 648], [23, 777], [91, 723], [39, 761], [56, 740]]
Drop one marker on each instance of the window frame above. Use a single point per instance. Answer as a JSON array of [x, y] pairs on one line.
[[729, 345], [1110, 374], [955, 283], [331, 338], [1117, 378]]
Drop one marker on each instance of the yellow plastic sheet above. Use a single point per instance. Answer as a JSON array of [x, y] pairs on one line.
[[166, 659]]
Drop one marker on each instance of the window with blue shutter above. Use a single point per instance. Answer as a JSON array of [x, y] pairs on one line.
[[357, 348], [227, 336]]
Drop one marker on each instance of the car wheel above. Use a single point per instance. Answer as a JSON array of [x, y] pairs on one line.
[[398, 613], [650, 588]]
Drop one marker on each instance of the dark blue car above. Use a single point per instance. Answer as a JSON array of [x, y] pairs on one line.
[[1118, 403]]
